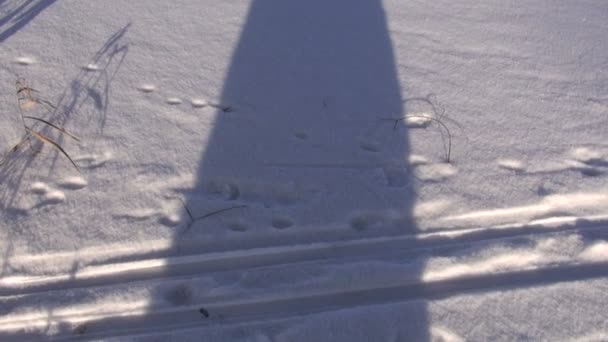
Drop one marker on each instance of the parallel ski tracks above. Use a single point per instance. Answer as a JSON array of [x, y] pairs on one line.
[[124, 322], [147, 269]]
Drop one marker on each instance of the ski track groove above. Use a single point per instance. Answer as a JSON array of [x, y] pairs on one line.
[[164, 268], [129, 323], [117, 324]]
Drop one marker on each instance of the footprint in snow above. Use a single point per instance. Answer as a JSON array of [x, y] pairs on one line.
[[146, 88], [370, 146], [282, 222], [91, 67], [73, 183], [93, 161], [173, 101], [435, 172], [25, 60], [511, 164], [238, 227], [301, 135], [199, 103], [47, 194]]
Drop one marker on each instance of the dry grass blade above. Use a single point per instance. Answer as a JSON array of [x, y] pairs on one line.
[[27, 90], [186, 207], [49, 141], [194, 219], [62, 130], [220, 211], [27, 101], [26, 98]]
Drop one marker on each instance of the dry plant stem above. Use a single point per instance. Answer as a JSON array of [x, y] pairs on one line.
[[220, 211], [51, 142], [187, 210], [24, 93], [194, 219], [225, 109], [62, 130]]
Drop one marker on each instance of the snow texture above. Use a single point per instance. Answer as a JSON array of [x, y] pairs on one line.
[[282, 170]]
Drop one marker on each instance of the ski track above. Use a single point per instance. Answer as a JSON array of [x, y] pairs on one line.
[[153, 268], [132, 320], [126, 322]]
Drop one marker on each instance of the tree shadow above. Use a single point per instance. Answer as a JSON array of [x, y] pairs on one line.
[[17, 14], [298, 147]]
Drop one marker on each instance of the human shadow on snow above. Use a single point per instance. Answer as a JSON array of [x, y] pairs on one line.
[[303, 155]]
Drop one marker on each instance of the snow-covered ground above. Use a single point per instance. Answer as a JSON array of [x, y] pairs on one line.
[[273, 170]]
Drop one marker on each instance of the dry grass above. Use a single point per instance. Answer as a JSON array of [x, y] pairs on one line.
[[194, 219], [438, 111], [28, 100]]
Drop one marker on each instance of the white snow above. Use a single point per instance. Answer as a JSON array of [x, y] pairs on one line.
[[147, 88], [511, 164], [91, 67], [196, 102], [304, 170], [173, 100], [25, 60]]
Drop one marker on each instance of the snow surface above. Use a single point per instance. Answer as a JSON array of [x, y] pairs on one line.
[[273, 170]]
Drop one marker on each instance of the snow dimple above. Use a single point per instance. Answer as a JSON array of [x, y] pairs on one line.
[[282, 222], [54, 196], [182, 294], [25, 60], [586, 154], [199, 103], [435, 172], [396, 175], [252, 190], [173, 100], [171, 219], [370, 146], [364, 221], [146, 88], [418, 120], [511, 164], [40, 188], [238, 226], [46, 194], [93, 161], [73, 183], [441, 334], [301, 135], [91, 67], [416, 159]]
